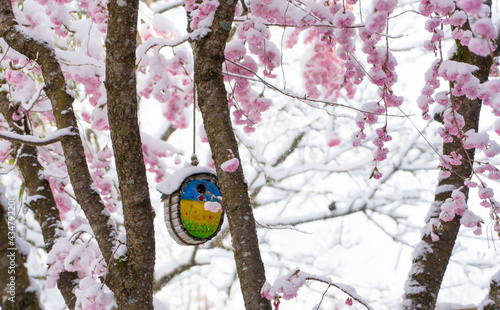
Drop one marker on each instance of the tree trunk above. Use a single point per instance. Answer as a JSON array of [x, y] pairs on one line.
[[134, 286], [431, 258], [212, 100]]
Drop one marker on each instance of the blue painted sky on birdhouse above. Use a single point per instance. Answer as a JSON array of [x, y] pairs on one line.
[[201, 190]]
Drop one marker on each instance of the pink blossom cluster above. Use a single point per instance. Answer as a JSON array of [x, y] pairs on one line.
[[257, 37], [169, 82], [333, 138], [98, 12], [323, 70], [249, 104], [95, 92], [481, 141], [273, 11], [18, 75], [353, 74], [232, 164], [431, 84], [285, 287], [447, 161], [91, 295], [460, 74], [57, 11], [369, 115], [85, 258], [489, 93], [486, 194], [57, 174], [480, 41], [94, 86], [153, 150], [382, 73], [99, 163], [456, 206], [201, 14]]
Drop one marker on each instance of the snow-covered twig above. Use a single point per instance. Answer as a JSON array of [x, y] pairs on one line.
[[349, 290], [34, 141], [289, 285]]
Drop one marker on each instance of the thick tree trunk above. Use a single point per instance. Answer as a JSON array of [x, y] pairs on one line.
[[212, 100], [431, 258], [134, 287]]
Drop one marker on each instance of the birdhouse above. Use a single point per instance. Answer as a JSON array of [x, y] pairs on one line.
[[192, 205]]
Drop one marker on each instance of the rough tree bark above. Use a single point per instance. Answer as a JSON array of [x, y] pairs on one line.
[[134, 288], [431, 258], [492, 301], [213, 103], [44, 207]]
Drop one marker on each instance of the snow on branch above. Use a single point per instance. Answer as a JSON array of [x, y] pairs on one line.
[[162, 42], [289, 285], [34, 141]]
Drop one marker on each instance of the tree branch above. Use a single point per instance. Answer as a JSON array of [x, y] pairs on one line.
[[160, 283], [344, 288], [34, 141]]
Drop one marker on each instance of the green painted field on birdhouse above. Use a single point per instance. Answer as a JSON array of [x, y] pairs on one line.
[[199, 222]]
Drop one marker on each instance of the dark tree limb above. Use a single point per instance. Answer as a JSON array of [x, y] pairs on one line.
[[134, 286], [212, 100], [431, 258], [62, 105], [44, 208]]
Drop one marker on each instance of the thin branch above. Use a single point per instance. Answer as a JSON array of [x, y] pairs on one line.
[[167, 6], [305, 99], [344, 288], [160, 283]]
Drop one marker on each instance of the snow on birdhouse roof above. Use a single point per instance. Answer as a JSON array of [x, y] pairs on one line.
[[174, 181]]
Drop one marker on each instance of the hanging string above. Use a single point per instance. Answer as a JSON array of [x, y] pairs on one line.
[[194, 158]]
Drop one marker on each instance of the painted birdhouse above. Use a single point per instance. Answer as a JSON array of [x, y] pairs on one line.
[[192, 205]]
